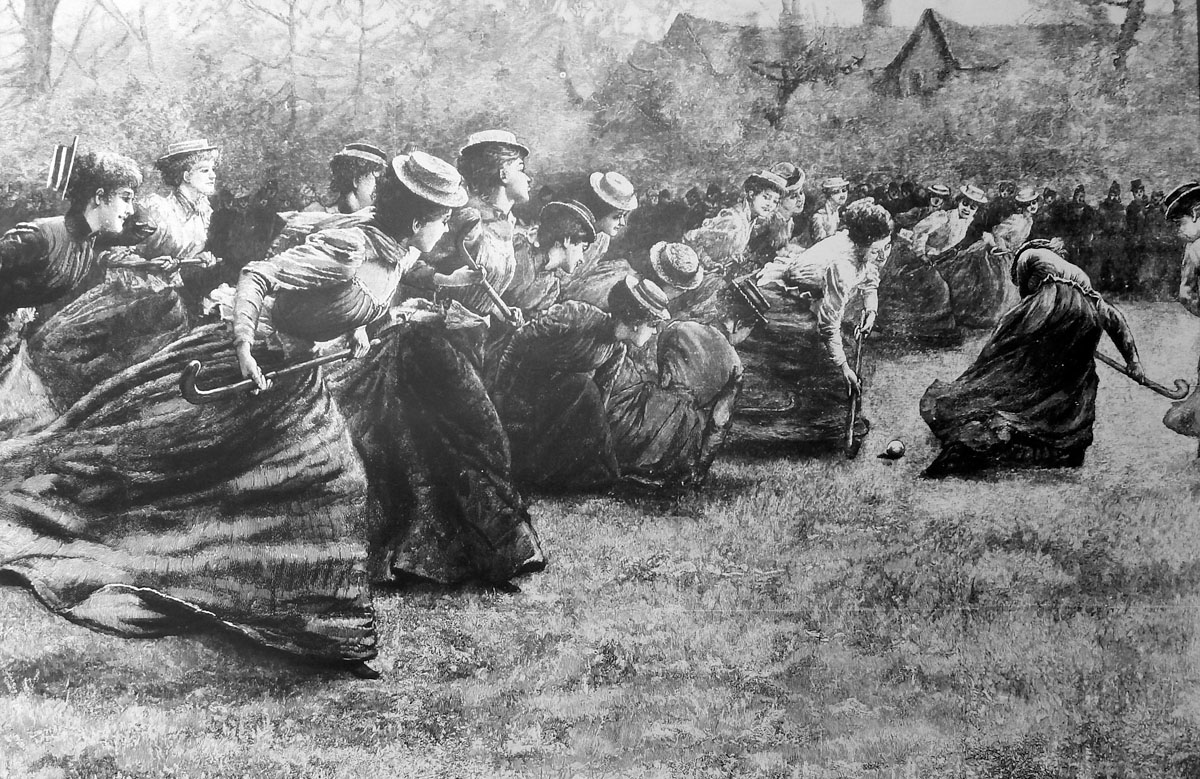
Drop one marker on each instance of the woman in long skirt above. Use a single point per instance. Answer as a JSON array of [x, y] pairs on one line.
[[1030, 396], [981, 288], [140, 513], [799, 368], [917, 303], [139, 307], [555, 380], [47, 260]]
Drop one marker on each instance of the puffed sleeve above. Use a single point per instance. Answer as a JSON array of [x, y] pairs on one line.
[[869, 288], [549, 338], [1115, 324], [720, 239], [832, 308], [1189, 278], [327, 258], [925, 228], [22, 247]]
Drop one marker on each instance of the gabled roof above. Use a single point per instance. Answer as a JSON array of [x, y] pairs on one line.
[[723, 45], [988, 48]]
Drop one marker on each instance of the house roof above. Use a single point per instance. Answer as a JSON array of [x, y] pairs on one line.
[[988, 48], [724, 47], [720, 43]]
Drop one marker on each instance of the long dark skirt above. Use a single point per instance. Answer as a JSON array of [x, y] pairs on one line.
[[1030, 396], [914, 302], [103, 331], [981, 288], [792, 393], [139, 514], [438, 462], [559, 431]]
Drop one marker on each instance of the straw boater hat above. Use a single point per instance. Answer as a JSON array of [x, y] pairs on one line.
[[973, 193], [939, 190], [1182, 199], [1027, 195], [644, 294], [791, 174], [834, 182], [573, 209], [496, 137], [431, 178], [676, 264], [192, 146], [614, 189], [363, 151], [772, 180]]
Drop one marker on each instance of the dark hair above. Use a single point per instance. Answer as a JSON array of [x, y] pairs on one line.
[[344, 172], [961, 198], [754, 186], [560, 224], [397, 207], [480, 166], [97, 169], [173, 169], [625, 307], [866, 222]]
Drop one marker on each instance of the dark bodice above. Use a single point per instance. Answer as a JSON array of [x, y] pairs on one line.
[[570, 337], [43, 260]]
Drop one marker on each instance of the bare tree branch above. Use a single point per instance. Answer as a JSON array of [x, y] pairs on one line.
[[73, 48], [118, 15], [253, 6]]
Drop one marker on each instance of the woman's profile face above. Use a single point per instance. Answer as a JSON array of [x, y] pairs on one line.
[[427, 234], [202, 177], [613, 222], [112, 210], [364, 189], [573, 254], [790, 205], [1188, 226], [516, 181]]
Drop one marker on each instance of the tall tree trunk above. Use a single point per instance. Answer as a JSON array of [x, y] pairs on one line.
[[37, 24], [877, 13], [1134, 15]]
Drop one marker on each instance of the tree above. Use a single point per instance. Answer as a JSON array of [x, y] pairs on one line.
[[877, 13], [1097, 12], [801, 62], [37, 26], [1135, 14]]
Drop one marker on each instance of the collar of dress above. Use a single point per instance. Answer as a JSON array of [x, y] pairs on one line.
[[200, 207]]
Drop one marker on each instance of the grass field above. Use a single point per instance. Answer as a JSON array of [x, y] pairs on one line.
[[802, 618]]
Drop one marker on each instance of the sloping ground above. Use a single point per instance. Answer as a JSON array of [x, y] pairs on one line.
[[813, 618]]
